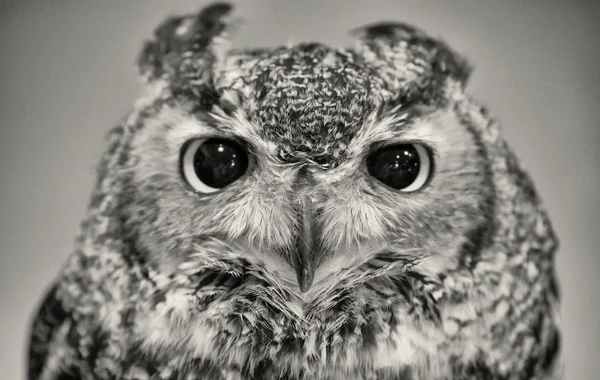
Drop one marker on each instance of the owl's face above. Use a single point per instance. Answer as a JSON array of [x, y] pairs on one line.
[[307, 168], [306, 212]]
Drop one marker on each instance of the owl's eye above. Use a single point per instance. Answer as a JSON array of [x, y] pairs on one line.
[[211, 164], [404, 167]]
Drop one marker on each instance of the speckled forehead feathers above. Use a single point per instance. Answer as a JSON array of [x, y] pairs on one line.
[[308, 99]]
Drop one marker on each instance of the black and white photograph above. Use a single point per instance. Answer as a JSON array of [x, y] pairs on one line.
[[299, 190]]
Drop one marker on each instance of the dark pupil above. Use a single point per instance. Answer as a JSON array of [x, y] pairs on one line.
[[219, 162], [397, 166]]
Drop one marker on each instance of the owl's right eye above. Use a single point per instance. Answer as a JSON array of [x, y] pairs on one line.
[[209, 165], [404, 167]]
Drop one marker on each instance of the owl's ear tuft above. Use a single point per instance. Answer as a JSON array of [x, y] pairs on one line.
[[391, 30], [398, 45], [186, 44]]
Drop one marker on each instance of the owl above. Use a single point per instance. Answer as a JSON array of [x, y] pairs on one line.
[[304, 212]]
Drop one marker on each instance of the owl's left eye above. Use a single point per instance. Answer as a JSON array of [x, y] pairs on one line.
[[208, 165], [404, 167]]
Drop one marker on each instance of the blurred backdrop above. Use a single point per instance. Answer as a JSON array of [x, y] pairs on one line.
[[67, 76]]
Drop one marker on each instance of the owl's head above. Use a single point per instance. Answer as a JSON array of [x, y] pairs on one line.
[[304, 167]]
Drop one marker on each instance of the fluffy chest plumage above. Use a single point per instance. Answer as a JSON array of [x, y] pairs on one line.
[[383, 326]]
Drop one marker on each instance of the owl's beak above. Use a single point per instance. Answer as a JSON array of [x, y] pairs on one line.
[[304, 254]]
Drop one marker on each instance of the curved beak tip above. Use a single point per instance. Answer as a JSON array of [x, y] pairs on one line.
[[305, 279]]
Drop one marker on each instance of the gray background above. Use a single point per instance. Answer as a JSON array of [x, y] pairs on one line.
[[66, 76]]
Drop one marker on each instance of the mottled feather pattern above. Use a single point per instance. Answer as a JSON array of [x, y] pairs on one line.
[[454, 282]]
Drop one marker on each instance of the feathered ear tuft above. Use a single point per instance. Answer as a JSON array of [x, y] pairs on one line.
[[185, 45], [407, 53]]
